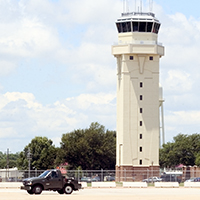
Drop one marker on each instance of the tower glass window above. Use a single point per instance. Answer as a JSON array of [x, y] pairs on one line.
[[135, 26], [124, 27], [151, 58], [140, 162], [140, 123], [119, 27], [131, 58], [156, 28], [128, 26], [149, 26], [140, 135], [141, 84], [140, 149], [141, 97], [142, 26], [141, 110]]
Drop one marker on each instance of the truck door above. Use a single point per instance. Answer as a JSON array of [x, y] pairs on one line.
[[54, 181]]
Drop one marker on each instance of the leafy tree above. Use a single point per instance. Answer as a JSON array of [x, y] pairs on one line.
[[12, 160], [167, 155], [93, 148], [183, 150], [43, 154], [197, 160]]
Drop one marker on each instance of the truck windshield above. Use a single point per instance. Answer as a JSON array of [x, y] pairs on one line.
[[44, 174]]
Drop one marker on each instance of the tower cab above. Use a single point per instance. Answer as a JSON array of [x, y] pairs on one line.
[[136, 27]]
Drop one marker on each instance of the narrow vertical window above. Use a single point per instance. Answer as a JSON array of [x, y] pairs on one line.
[[151, 58], [140, 123], [140, 136], [131, 58], [141, 110], [140, 162], [141, 97], [140, 149], [141, 84]]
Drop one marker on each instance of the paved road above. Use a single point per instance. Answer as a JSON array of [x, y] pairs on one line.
[[108, 194]]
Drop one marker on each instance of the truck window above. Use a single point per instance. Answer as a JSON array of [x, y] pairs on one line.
[[44, 174], [54, 174]]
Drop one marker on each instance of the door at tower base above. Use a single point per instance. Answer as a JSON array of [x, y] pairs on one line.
[[130, 173]]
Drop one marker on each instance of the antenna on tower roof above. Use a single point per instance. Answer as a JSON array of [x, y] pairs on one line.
[[135, 6], [141, 6], [151, 5], [125, 6]]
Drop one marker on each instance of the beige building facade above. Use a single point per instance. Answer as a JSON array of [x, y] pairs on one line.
[[138, 122]]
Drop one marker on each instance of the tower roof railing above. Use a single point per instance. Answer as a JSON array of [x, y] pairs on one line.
[[138, 13], [141, 42]]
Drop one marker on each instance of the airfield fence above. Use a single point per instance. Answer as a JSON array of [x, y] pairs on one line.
[[100, 175]]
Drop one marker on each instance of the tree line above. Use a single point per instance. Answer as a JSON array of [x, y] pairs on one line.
[[8, 160], [94, 148], [91, 148], [184, 149]]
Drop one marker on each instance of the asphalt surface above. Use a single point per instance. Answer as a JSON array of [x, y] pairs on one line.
[[108, 194]]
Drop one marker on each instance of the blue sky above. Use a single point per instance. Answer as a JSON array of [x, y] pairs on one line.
[[188, 8], [57, 73]]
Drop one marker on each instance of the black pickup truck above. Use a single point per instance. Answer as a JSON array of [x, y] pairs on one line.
[[50, 180]]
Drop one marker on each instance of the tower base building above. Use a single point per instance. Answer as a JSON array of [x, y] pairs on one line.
[[138, 121]]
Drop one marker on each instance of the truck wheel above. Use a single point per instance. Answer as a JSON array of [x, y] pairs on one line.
[[30, 191], [37, 189], [61, 191], [68, 189]]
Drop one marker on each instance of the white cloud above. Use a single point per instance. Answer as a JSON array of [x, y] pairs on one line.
[[25, 34], [178, 82], [23, 117], [181, 37], [85, 101], [89, 11], [180, 73], [27, 38], [45, 31], [6, 67], [7, 132], [27, 97], [185, 122], [184, 117]]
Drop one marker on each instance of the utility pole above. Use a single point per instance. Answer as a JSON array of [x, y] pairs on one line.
[[7, 165], [29, 161]]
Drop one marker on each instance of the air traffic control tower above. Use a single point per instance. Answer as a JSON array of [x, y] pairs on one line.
[[138, 122]]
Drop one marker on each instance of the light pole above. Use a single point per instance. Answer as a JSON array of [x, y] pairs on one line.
[[7, 165], [29, 155]]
